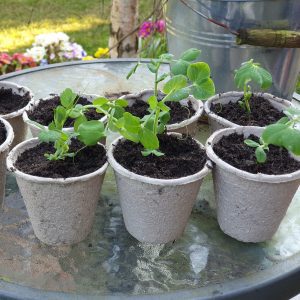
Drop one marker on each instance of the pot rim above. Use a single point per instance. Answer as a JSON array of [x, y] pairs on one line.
[[155, 181], [20, 148], [8, 84], [260, 177], [211, 114], [9, 135], [34, 102], [174, 126]]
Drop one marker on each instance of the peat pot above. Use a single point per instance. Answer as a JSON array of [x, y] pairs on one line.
[[4, 148], [216, 122], [61, 210], [187, 126], [35, 130], [250, 206], [15, 118], [155, 210]]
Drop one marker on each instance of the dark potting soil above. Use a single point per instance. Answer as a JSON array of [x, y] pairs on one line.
[[88, 160], [10, 102], [183, 157], [178, 112], [235, 152], [262, 112], [43, 113], [117, 95], [3, 133]]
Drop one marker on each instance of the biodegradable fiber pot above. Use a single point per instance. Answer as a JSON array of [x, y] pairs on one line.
[[216, 122], [34, 103], [4, 148], [155, 210], [188, 126], [250, 206], [15, 118], [61, 210]]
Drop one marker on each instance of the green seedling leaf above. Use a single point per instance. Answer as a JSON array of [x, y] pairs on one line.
[[60, 116], [131, 123], [273, 134], [204, 89], [154, 152], [250, 71], [190, 54], [179, 67], [292, 111], [100, 101], [291, 140], [129, 136], [283, 120], [178, 95], [48, 136], [164, 117], [260, 154], [175, 83], [148, 139], [153, 67], [162, 77], [67, 98], [251, 143], [163, 106], [152, 101], [90, 132], [78, 121], [132, 71], [166, 56], [121, 102], [199, 71]]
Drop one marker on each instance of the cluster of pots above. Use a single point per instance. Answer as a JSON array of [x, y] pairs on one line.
[[250, 206]]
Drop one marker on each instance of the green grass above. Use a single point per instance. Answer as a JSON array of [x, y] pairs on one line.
[[85, 21]]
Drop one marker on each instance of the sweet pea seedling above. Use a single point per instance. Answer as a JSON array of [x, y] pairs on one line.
[[282, 134], [187, 77], [88, 132], [248, 72]]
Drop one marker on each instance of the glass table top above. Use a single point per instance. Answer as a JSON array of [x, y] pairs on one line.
[[203, 263]]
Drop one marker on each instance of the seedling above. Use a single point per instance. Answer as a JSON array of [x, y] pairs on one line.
[[88, 132], [282, 134], [251, 72], [188, 77]]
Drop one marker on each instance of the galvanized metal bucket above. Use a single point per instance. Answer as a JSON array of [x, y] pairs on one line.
[[187, 29]]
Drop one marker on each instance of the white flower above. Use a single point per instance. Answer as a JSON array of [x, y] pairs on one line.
[[53, 38], [37, 53]]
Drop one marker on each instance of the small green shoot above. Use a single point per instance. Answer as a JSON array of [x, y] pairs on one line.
[[247, 73], [281, 134]]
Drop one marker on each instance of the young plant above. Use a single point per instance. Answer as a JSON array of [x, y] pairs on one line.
[[188, 77], [247, 73], [88, 132], [281, 134]]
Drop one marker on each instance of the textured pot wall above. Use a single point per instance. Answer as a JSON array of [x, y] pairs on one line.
[[156, 213], [250, 207], [61, 210], [216, 122]]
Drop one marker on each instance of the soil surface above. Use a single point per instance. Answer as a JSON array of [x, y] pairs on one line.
[[183, 157], [235, 152], [3, 133], [43, 113], [262, 112], [113, 96], [10, 102], [88, 160], [178, 112]]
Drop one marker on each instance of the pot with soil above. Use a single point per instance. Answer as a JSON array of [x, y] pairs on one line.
[[42, 112], [252, 198], [60, 196], [13, 101], [223, 110], [184, 114], [6, 138], [248, 108], [157, 193]]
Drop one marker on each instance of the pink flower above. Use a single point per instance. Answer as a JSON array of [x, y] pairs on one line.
[[5, 58], [146, 29], [160, 26]]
